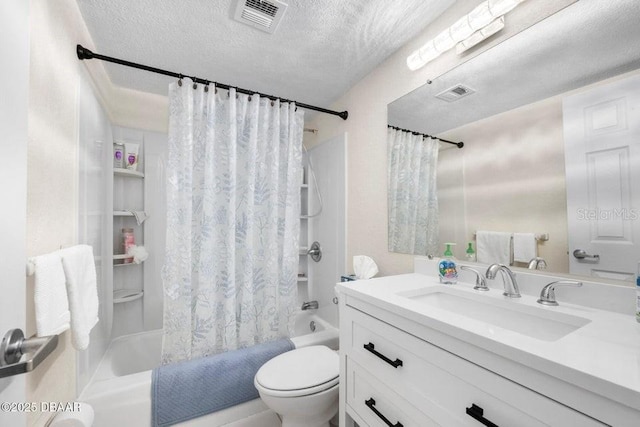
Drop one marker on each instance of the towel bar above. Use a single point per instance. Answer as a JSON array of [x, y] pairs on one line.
[[31, 267], [541, 237]]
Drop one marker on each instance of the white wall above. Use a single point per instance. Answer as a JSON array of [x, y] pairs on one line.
[[52, 200], [14, 79], [513, 179], [367, 105]]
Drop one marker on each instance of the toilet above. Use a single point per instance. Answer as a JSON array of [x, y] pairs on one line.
[[301, 386]]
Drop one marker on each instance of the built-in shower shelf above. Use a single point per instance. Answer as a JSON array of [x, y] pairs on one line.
[[127, 172], [124, 264], [126, 295], [122, 213], [122, 257]]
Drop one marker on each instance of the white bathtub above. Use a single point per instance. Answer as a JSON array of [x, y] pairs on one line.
[[120, 390]]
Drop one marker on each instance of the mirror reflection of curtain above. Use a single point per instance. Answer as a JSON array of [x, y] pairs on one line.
[[412, 193]]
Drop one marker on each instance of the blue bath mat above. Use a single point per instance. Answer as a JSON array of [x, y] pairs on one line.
[[185, 390]]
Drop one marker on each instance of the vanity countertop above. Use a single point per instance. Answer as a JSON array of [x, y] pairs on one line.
[[603, 355]]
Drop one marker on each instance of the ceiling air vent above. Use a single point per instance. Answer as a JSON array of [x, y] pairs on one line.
[[261, 14], [455, 93]]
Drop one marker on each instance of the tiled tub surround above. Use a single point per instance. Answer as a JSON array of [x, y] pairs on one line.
[[587, 375]]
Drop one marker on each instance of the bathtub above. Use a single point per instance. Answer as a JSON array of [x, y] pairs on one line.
[[120, 389]]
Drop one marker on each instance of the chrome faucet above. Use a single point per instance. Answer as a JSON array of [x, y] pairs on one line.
[[548, 294], [481, 284], [508, 278], [307, 305], [537, 263]]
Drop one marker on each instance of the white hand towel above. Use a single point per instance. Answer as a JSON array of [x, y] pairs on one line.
[[525, 247], [50, 295], [493, 247], [82, 288]]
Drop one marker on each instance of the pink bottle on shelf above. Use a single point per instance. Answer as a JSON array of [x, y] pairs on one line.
[[128, 240]]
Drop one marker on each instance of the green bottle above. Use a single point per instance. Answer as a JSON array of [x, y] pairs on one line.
[[471, 254]]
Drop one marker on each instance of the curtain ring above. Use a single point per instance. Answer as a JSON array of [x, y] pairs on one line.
[[195, 85], [249, 98], [206, 88], [273, 103], [180, 80]]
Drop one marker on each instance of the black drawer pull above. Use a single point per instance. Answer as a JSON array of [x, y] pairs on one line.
[[395, 363], [371, 404], [476, 413]]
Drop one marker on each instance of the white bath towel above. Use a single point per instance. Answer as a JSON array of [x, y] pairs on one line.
[[50, 295], [525, 247], [494, 247], [82, 289]]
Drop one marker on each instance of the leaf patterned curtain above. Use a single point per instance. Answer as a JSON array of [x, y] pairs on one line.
[[412, 193], [233, 221]]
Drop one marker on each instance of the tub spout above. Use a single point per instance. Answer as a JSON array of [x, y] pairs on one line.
[[307, 305]]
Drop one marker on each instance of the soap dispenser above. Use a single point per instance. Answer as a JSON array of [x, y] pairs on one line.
[[471, 254], [447, 267]]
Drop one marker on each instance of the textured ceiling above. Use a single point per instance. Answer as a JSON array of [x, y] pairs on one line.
[[320, 49], [582, 44]]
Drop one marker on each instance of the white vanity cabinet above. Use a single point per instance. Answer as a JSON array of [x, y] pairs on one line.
[[415, 383], [398, 372]]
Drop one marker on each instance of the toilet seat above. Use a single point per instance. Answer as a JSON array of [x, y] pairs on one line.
[[300, 372]]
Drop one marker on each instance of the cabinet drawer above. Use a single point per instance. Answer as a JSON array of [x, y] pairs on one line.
[[421, 372], [366, 395]]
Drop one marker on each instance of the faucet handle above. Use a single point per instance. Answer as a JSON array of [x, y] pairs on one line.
[[548, 293], [481, 284]]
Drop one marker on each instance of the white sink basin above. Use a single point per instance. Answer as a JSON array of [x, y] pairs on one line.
[[533, 322]]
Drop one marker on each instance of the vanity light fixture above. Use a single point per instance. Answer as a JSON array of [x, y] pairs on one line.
[[482, 22]]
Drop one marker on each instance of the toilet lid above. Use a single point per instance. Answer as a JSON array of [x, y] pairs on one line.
[[303, 368]]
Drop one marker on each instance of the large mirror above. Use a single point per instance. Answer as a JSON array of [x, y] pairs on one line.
[[550, 121]]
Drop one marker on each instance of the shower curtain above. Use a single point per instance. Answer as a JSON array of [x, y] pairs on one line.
[[412, 193], [233, 221]]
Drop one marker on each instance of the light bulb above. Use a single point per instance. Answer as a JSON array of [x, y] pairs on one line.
[[480, 16], [461, 29], [443, 41], [501, 7], [420, 57]]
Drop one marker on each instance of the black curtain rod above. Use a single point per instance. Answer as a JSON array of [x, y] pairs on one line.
[[84, 53], [424, 135]]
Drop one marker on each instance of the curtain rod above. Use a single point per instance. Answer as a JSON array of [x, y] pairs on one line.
[[84, 53], [424, 135]]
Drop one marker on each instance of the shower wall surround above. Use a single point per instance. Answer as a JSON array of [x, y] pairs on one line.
[[94, 149], [148, 194], [329, 162]]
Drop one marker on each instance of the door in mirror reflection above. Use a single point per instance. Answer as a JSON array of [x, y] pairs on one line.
[[602, 156]]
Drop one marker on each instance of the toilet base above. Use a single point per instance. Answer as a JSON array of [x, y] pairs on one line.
[[315, 410], [303, 422]]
